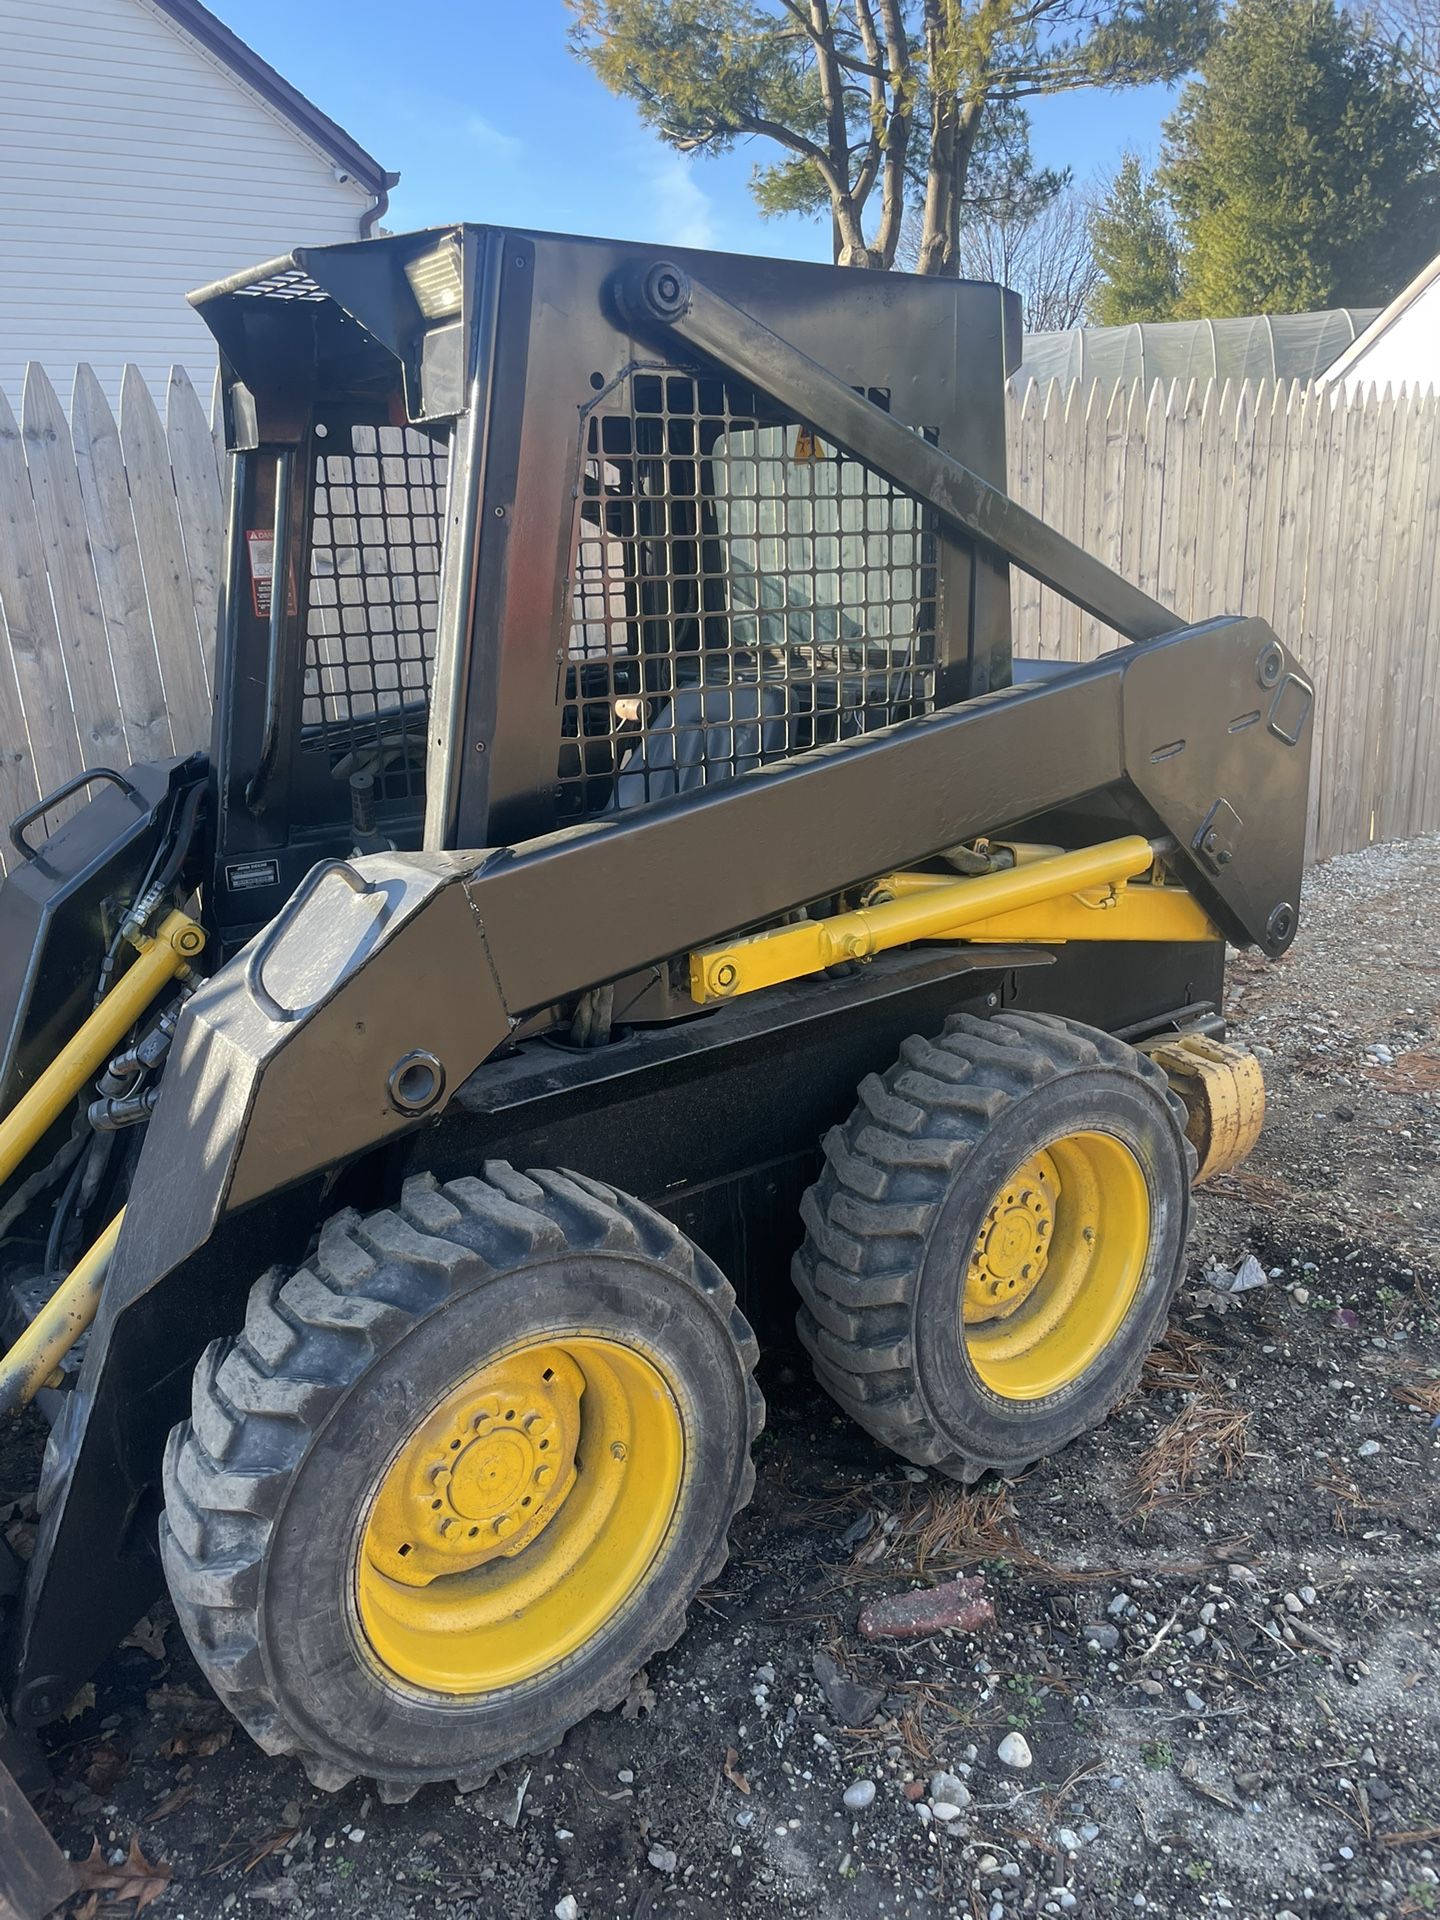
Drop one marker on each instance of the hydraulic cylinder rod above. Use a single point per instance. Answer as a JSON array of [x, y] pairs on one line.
[[58, 1325], [175, 943], [808, 946]]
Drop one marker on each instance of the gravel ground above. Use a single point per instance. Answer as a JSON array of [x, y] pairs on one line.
[[1217, 1632]]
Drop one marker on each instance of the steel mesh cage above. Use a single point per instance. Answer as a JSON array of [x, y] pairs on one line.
[[372, 595], [740, 592]]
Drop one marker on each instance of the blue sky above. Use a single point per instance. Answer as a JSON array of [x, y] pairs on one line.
[[482, 109]]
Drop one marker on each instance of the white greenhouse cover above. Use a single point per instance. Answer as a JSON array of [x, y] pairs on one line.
[[1280, 346]]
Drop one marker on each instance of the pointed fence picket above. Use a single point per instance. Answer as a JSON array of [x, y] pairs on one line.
[[1320, 514]]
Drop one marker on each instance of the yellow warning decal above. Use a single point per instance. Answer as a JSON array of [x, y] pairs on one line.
[[807, 446]]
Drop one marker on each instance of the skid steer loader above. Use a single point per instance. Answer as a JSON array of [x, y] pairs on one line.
[[629, 867]]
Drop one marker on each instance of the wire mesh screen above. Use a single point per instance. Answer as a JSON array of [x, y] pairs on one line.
[[741, 592], [373, 588]]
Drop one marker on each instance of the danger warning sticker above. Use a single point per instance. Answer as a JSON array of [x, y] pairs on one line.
[[260, 545]]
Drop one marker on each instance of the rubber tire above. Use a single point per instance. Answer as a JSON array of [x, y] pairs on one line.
[[267, 1484], [905, 1186]]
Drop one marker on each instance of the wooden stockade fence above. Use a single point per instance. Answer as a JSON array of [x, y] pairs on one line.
[[1321, 516], [110, 540]]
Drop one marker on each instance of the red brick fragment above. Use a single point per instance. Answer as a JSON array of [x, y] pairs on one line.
[[961, 1604]]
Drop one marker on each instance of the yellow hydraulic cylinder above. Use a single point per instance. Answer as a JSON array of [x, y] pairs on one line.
[[176, 942], [59, 1324], [940, 912]]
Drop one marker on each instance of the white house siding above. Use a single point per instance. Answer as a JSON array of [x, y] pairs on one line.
[[134, 167], [1405, 348]]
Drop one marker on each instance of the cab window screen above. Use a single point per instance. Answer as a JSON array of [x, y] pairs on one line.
[[372, 597], [740, 592]]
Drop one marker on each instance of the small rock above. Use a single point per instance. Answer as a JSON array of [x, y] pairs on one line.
[[1301, 1296], [945, 1786], [1207, 1614], [859, 1796], [1193, 1701], [1118, 1605], [1367, 1449], [1069, 1839], [665, 1860], [987, 1863], [852, 1704], [1014, 1751], [945, 1810], [1090, 1831], [1293, 1603], [858, 1530], [567, 1907], [1101, 1634], [626, 1777]]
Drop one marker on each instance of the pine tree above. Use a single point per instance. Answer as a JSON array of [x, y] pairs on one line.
[[1299, 166], [1135, 250]]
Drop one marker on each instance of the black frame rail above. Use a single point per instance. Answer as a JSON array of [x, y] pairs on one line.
[[665, 295]]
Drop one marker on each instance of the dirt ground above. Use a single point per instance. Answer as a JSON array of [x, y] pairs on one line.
[[1218, 1625]]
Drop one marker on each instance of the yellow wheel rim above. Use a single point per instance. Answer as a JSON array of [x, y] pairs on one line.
[[520, 1515], [1056, 1265]]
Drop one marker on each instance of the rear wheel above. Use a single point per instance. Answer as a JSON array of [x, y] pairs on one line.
[[995, 1240], [460, 1476]]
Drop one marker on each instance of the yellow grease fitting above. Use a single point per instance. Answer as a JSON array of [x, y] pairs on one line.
[[947, 911], [1076, 1254], [176, 942], [58, 1325], [520, 1516]]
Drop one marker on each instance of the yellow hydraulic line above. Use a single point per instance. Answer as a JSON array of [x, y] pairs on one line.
[[808, 946], [174, 944], [58, 1325]]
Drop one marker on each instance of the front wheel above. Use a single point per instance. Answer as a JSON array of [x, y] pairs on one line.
[[995, 1240], [460, 1476]]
